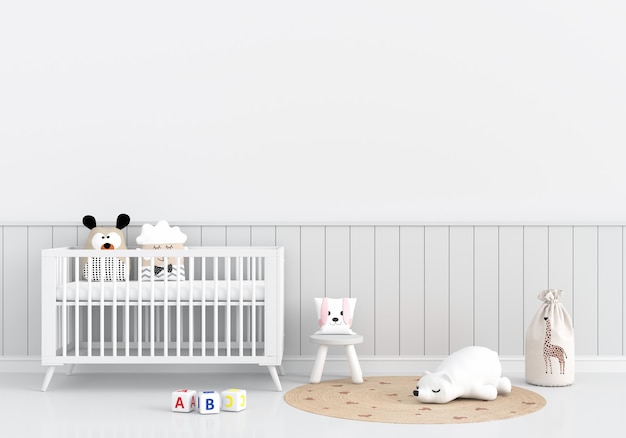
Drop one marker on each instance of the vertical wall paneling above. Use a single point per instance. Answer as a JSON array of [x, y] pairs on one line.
[[313, 281], [194, 238], [560, 263], [610, 291], [486, 318], [289, 238], [81, 235], [411, 290], [362, 284], [535, 269], [421, 290], [586, 290], [194, 235], [337, 262], [387, 282], [132, 232], [2, 230], [15, 287], [461, 287], [623, 291], [263, 236], [39, 238], [238, 236], [213, 236], [511, 291], [437, 292], [64, 236]]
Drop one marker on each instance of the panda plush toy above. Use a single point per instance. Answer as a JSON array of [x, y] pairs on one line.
[[105, 268]]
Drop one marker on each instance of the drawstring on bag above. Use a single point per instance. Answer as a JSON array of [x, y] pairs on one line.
[[549, 346]]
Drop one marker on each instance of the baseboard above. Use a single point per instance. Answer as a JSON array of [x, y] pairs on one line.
[[301, 366]]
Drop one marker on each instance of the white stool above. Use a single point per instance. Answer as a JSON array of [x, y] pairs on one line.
[[324, 341]]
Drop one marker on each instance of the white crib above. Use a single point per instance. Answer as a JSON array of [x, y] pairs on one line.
[[225, 305]]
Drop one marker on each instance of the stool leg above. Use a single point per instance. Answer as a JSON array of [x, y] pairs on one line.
[[353, 362], [318, 366]]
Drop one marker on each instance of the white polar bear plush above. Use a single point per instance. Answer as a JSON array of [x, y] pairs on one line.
[[471, 372]]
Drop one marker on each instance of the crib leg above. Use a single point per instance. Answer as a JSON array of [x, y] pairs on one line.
[[47, 379], [274, 374], [70, 369]]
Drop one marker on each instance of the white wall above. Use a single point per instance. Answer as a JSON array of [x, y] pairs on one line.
[[332, 110]]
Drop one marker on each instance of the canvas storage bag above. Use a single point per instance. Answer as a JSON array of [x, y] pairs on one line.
[[549, 349]]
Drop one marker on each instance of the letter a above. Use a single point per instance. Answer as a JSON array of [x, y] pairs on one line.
[[179, 403]]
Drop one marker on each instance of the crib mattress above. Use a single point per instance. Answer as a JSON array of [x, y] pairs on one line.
[[175, 289]]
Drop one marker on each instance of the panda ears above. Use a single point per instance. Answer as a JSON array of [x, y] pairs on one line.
[[122, 221], [89, 222]]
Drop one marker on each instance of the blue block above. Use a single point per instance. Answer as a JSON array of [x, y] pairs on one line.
[[209, 402]]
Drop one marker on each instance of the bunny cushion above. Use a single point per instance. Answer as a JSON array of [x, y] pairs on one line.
[[335, 315], [471, 372]]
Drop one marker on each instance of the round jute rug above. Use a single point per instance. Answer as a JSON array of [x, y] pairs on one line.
[[390, 400]]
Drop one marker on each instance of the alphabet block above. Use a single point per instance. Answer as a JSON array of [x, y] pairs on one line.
[[234, 400], [184, 400], [209, 402]]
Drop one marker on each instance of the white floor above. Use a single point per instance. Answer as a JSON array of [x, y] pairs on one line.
[[134, 405]]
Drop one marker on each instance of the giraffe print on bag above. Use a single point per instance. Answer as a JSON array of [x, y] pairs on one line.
[[551, 350]]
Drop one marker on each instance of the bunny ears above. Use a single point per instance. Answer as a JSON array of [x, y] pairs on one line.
[[334, 315], [345, 312]]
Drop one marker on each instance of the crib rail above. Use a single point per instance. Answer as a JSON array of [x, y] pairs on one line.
[[198, 305]]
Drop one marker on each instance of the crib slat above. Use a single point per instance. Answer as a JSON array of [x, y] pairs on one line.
[[253, 312], [89, 311], [240, 333], [139, 310], [64, 309], [76, 308], [227, 273], [178, 314], [239, 307], [127, 314], [181, 311], [215, 309], [191, 310], [203, 309], [175, 311], [166, 328], [101, 311], [114, 309], [152, 312]]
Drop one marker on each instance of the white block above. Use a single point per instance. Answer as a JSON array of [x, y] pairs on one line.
[[209, 402], [184, 400], [234, 400]]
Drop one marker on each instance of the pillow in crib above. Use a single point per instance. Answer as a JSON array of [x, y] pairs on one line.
[[161, 237], [335, 315]]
